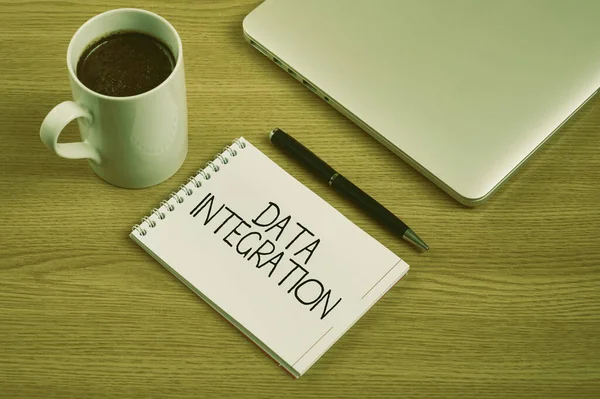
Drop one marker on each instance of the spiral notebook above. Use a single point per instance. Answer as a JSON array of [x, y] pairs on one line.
[[272, 257]]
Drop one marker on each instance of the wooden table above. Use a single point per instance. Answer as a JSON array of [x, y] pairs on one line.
[[506, 304]]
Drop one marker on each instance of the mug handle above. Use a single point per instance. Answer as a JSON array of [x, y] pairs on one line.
[[55, 122]]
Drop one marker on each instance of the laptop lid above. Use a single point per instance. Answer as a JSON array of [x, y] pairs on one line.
[[463, 90]]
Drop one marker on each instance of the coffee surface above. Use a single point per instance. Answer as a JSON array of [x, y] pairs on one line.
[[125, 64]]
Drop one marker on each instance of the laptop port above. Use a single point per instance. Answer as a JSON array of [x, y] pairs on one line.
[[308, 85], [258, 47]]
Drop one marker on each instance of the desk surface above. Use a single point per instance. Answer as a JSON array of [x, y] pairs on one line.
[[506, 304]]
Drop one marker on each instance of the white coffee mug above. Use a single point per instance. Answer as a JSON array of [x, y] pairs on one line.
[[130, 142]]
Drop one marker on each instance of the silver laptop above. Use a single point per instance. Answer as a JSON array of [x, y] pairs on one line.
[[463, 90]]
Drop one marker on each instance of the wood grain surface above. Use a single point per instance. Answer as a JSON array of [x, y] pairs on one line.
[[506, 304]]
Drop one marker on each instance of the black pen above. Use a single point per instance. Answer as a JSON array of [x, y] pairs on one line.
[[339, 183]]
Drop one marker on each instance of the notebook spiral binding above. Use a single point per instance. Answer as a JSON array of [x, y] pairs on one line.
[[185, 191]]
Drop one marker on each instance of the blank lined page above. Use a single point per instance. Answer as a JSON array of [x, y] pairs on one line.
[[271, 256]]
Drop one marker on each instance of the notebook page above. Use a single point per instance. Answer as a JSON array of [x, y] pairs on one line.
[[274, 256]]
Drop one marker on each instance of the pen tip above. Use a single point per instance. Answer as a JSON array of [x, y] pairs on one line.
[[272, 133], [414, 239]]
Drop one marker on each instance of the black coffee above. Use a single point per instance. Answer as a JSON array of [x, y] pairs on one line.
[[125, 64]]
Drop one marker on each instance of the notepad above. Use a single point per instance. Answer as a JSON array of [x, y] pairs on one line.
[[273, 258]]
